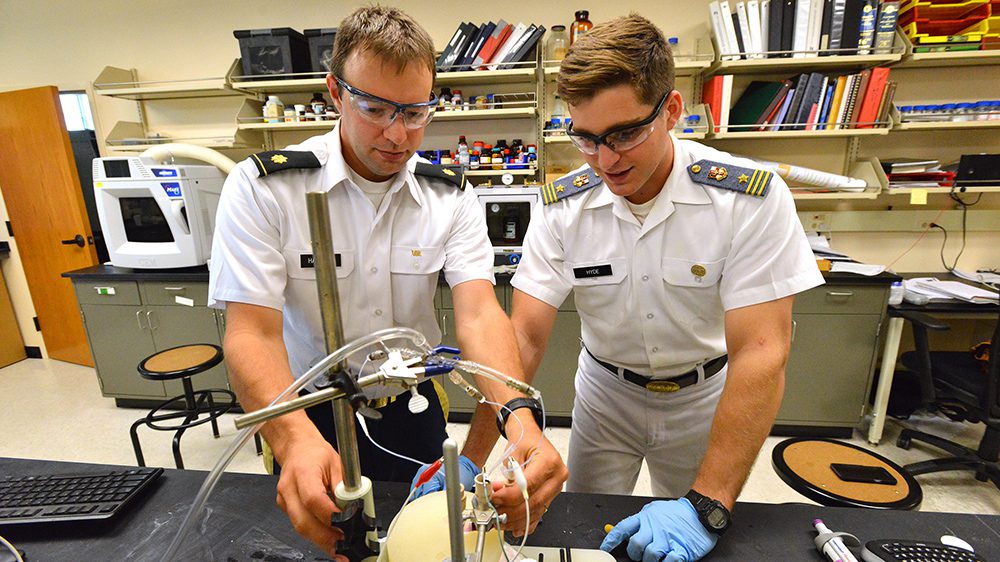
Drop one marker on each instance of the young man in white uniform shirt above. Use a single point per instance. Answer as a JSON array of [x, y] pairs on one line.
[[683, 261], [395, 227]]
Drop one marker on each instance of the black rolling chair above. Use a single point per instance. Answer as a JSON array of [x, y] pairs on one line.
[[193, 407], [957, 385]]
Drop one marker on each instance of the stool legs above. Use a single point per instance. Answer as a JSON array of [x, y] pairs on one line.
[[215, 424], [136, 447]]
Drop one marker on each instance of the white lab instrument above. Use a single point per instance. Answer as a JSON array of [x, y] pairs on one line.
[[508, 211], [156, 216]]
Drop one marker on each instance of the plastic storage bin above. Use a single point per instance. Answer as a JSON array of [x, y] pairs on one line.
[[320, 47], [269, 52]]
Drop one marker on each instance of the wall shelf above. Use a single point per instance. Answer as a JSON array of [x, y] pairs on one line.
[[527, 172], [127, 136], [868, 169], [837, 62], [506, 76], [801, 134], [942, 190], [683, 66], [948, 58], [122, 84], [474, 114]]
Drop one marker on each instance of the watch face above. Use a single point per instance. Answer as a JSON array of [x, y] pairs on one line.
[[716, 517]]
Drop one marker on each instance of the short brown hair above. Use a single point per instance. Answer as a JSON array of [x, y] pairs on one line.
[[626, 50], [385, 31]]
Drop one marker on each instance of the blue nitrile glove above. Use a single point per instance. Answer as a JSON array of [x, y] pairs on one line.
[[663, 530], [467, 471]]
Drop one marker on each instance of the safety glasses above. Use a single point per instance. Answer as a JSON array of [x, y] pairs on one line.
[[383, 112], [618, 139]]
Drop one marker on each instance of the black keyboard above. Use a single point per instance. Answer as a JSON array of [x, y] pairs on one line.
[[915, 551], [71, 497]]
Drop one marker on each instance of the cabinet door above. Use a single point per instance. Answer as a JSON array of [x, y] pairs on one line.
[[173, 326], [120, 339], [557, 371], [829, 369]]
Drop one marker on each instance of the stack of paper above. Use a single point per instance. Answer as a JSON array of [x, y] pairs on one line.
[[937, 290]]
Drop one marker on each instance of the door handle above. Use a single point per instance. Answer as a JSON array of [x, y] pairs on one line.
[[149, 320], [78, 240], [138, 319], [794, 326]]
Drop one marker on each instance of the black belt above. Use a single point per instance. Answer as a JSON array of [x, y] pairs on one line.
[[665, 385]]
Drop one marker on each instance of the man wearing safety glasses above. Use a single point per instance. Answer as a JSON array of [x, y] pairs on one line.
[[397, 224], [683, 262]]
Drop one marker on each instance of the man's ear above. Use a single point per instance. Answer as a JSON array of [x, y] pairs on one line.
[[334, 89], [673, 108]]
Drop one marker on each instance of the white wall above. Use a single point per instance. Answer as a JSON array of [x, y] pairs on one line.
[[68, 44]]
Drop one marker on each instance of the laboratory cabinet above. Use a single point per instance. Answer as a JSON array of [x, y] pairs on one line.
[[832, 360], [128, 319]]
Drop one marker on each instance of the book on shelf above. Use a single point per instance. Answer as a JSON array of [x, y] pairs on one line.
[[756, 103], [872, 100], [939, 178], [783, 113], [754, 25], [800, 29], [716, 95], [851, 30], [885, 29], [837, 10], [742, 24], [866, 29], [719, 31], [902, 165], [824, 117], [764, 15]]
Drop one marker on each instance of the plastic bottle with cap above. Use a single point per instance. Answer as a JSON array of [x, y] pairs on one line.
[[896, 292], [274, 110]]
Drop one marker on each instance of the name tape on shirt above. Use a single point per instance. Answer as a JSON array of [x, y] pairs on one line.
[[592, 271], [307, 261]]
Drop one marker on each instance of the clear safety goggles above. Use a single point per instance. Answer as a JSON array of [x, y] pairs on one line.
[[618, 139], [383, 112]]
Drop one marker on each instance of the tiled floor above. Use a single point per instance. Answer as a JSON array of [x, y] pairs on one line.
[[54, 410]]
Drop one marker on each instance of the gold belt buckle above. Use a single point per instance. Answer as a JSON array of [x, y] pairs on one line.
[[662, 386]]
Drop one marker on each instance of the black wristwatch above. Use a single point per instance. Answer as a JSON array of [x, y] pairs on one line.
[[712, 514], [534, 405]]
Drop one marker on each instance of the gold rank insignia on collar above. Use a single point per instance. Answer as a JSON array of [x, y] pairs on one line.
[[568, 185], [273, 161], [734, 178], [442, 173]]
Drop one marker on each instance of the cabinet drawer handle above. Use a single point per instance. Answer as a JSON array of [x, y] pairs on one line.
[[138, 319], [844, 294], [174, 289], [149, 320], [444, 324], [794, 326]]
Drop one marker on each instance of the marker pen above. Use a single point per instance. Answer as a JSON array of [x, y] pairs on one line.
[[834, 549]]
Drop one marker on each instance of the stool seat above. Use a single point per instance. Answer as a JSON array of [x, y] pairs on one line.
[[179, 362], [804, 464]]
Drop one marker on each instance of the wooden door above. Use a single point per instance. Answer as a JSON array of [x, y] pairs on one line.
[[47, 214]]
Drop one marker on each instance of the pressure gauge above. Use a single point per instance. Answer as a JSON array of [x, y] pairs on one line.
[[507, 179]]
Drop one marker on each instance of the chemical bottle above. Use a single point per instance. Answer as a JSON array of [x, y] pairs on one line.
[[580, 26], [557, 44], [274, 110], [318, 105], [463, 151]]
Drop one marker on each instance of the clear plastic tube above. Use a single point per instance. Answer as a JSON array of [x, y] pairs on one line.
[[244, 436]]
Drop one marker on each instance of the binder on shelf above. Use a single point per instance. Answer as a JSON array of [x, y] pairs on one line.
[[824, 30], [859, 97], [852, 26], [527, 45], [810, 97], [492, 43], [774, 23], [515, 36], [741, 45], [787, 27], [836, 25], [796, 103], [732, 38], [756, 103], [815, 25], [715, 94], [475, 46], [719, 31], [800, 34], [764, 15], [753, 23]]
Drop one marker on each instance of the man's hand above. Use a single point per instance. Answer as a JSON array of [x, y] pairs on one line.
[[467, 471], [545, 476], [663, 530], [310, 471]]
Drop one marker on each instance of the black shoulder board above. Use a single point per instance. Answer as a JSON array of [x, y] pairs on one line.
[[440, 172], [750, 181], [277, 160]]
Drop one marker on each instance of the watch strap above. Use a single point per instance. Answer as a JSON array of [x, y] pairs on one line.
[[702, 505], [521, 402]]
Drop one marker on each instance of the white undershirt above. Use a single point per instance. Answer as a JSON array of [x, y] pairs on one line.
[[641, 211], [374, 190]]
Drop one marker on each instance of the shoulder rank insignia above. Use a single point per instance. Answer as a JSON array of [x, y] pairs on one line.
[[277, 160], [734, 178], [441, 172], [576, 182]]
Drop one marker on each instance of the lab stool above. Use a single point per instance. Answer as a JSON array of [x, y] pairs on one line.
[[195, 407], [804, 464]]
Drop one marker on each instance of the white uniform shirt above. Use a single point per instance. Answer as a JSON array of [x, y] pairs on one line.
[[389, 259], [653, 314]]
